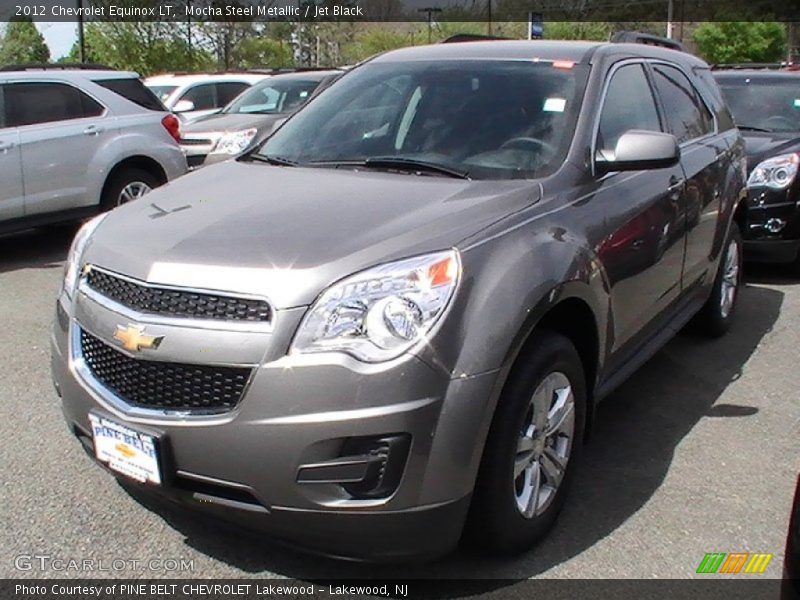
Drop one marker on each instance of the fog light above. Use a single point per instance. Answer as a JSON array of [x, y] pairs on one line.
[[775, 225], [389, 454]]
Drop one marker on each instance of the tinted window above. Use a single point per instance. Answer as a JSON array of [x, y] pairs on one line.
[[228, 91], [203, 96], [629, 104], [30, 103], [492, 119], [162, 91], [687, 116], [133, 90], [275, 95], [770, 102]]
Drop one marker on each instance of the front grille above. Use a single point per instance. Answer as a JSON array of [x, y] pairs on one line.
[[195, 142], [177, 303], [163, 385]]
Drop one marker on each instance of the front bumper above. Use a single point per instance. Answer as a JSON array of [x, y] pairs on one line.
[[243, 465], [772, 228]]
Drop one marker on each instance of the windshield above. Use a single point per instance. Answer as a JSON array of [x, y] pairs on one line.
[[273, 97], [487, 119], [162, 91], [770, 103]]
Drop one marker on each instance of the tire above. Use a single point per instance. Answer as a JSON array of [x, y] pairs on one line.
[[120, 188], [717, 314], [503, 517]]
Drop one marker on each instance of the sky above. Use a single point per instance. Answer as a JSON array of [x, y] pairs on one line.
[[59, 37]]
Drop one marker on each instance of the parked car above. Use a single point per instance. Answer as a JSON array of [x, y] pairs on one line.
[[77, 141], [766, 106], [395, 318], [199, 94], [252, 115]]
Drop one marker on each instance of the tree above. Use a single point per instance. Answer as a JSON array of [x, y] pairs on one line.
[[737, 41], [141, 46], [22, 43]]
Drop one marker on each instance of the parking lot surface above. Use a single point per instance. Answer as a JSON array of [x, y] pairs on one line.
[[696, 453]]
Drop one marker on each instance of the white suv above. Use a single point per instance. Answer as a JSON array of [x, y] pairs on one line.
[[193, 96], [75, 141]]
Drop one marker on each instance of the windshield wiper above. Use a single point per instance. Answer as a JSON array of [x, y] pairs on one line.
[[273, 160], [751, 128], [411, 164]]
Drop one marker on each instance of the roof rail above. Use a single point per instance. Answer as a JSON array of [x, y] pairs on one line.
[[56, 67], [648, 39], [788, 66], [470, 37]]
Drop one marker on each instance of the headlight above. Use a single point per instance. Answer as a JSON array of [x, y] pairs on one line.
[[380, 313], [73, 265], [777, 172], [234, 142]]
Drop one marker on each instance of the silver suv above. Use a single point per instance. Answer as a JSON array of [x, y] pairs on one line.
[[74, 142]]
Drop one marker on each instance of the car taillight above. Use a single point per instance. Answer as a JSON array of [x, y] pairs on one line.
[[173, 126]]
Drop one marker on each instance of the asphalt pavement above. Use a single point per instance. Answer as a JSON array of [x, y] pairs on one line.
[[697, 453]]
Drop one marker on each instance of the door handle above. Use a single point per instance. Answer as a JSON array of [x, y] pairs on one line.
[[675, 183], [6, 146], [93, 130]]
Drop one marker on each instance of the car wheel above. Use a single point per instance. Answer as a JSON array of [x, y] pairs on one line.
[[126, 186], [533, 443], [716, 316]]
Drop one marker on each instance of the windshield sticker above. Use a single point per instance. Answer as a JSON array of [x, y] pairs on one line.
[[555, 105], [797, 102]]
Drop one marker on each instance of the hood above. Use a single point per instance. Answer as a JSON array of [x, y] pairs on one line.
[[230, 122], [760, 146], [288, 232]]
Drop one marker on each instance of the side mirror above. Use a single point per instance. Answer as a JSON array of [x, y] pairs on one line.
[[639, 150], [182, 106]]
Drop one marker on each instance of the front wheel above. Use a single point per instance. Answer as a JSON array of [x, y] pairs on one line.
[[531, 451], [716, 316]]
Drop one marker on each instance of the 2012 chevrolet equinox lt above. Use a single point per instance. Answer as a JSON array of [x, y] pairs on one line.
[[392, 321]]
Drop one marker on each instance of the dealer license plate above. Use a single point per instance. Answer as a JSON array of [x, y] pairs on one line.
[[125, 450]]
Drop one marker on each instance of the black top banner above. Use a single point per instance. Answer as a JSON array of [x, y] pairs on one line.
[[401, 10]]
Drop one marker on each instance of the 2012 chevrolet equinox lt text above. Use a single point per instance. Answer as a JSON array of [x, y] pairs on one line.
[[390, 324]]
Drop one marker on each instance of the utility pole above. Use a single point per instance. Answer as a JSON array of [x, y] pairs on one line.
[[489, 16], [430, 10], [670, 11], [81, 39]]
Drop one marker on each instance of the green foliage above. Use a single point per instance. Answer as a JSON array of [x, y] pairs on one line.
[[144, 47], [735, 41], [380, 39], [262, 51], [577, 30], [22, 43]]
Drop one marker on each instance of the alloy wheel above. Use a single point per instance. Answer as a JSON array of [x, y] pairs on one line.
[[133, 191], [730, 280], [544, 445]]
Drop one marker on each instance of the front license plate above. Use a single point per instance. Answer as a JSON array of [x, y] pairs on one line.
[[125, 450]]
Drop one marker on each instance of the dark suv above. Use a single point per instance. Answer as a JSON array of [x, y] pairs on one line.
[[765, 103], [397, 315]]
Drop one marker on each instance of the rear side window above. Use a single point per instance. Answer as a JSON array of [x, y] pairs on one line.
[[629, 104], [202, 96], [133, 90], [227, 91], [45, 102], [687, 116]]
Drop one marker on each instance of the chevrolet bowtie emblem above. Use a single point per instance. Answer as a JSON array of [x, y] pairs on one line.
[[134, 338]]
